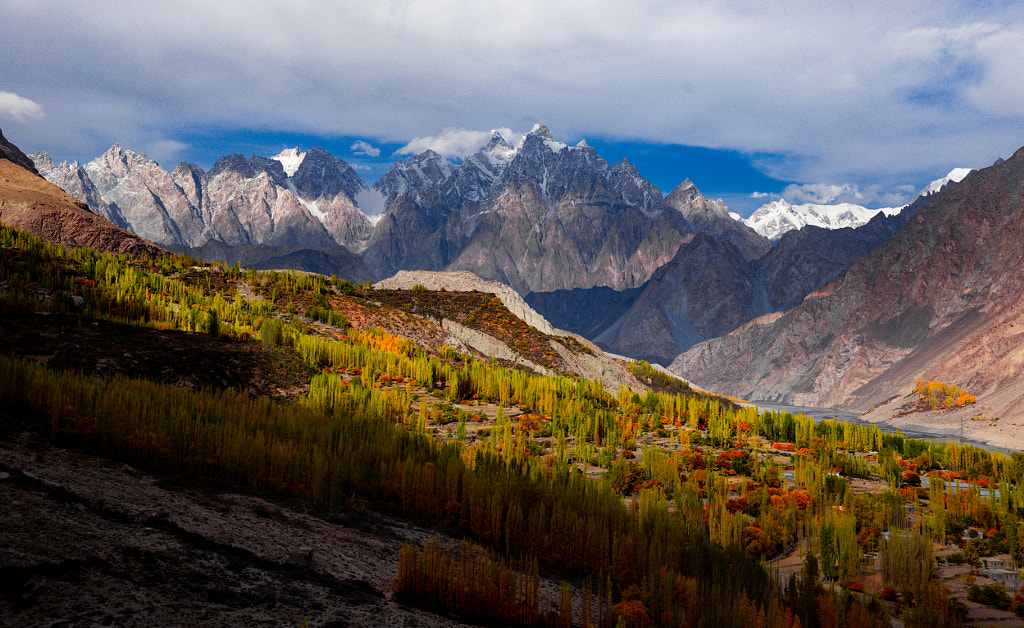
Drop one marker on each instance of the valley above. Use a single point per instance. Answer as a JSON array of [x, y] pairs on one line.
[[206, 442]]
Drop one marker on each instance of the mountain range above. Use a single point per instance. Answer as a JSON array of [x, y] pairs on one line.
[[943, 300], [593, 246]]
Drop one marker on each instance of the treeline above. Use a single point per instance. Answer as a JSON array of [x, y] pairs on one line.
[[687, 550], [566, 522]]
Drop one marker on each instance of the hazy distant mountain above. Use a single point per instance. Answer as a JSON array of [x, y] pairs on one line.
[[942, 299]]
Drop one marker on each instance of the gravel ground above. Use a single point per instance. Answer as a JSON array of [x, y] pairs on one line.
[[89, 542]]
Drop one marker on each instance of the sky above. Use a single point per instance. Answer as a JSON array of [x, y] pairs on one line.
[[810, 101]]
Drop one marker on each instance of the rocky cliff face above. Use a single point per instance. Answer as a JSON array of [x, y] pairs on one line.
[[942, 299], [560, 217], [541, 216], [239, 202]]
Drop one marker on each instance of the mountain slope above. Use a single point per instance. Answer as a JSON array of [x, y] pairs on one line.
[[13, 154], [708, 289], [29, 202], [942, 299]]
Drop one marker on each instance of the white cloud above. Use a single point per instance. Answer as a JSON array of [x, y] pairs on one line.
[[850, 91], [761, 195], [19, 108], [360, 167], [822, 193], [361, 147], [165, 152], [458, 142], [830, 193]]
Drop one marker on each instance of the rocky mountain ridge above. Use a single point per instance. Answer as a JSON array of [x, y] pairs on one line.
[[239, 201], [30, 202], [940, 300], [541, 215]]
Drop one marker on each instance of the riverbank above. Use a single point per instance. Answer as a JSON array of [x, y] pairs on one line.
[[970, 424]]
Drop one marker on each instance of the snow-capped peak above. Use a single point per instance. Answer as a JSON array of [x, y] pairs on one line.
[[498, 150], [956, 175], [541, 130], [291, 159]]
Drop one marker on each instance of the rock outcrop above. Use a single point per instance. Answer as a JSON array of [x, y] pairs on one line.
[[465, 281], [590, 363]]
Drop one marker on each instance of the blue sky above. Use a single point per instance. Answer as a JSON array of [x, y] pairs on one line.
[[865, 101]]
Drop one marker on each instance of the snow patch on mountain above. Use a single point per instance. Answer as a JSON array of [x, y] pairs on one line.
[[555, 146], [310, 205], [291, 159]]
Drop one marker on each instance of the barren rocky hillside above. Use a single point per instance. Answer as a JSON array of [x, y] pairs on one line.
[[942, 299]]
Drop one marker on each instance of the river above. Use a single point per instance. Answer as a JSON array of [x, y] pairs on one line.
[[819, 414]]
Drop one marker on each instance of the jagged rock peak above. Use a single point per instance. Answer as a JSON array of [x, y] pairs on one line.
[[625, 167], [415, 174], [542, 130], [235, 162], [686, 194], [187, 167], [497, 149]]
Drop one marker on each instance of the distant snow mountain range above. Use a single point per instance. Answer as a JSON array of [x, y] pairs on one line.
[[774, 219]]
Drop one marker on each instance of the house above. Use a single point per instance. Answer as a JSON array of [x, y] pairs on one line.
[[1002, 570]]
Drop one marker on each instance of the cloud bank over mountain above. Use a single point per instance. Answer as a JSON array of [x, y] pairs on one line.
[[872, 92]]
